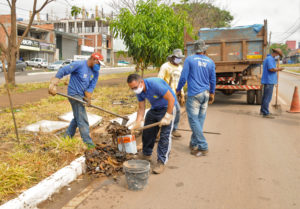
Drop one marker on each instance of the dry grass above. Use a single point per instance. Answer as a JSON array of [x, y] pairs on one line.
[[290, 65], [40, 155]]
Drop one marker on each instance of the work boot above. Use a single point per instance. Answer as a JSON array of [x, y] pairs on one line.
[[159, 167], [198, 153], [176, 134], [270, 116], [192, 147], [141, 156]]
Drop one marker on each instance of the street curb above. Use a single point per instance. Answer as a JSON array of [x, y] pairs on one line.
[[286, 71], [46, 188], [52, 184]]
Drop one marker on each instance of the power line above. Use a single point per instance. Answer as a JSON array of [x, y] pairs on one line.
[[19, 8], [295, 30]]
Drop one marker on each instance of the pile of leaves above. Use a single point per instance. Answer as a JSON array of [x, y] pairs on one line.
[[116, 129], [105, 160]]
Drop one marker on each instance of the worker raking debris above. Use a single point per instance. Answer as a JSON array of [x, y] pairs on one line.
[[83, 79]]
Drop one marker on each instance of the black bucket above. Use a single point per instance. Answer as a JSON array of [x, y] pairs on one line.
[[137, 173]]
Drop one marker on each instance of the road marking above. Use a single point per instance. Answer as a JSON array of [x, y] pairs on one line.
[[41, 73]]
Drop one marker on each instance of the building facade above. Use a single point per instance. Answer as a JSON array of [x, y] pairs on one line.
[[93, 35], [38, 43], [66, 45], [291, 45]]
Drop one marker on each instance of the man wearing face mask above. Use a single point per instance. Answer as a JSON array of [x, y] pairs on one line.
[[162, 100], [83, 79], [170, 72], [268, 80]]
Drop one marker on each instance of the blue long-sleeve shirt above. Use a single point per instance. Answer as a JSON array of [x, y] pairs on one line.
[[200, 73], [82, 78], [269, 77]]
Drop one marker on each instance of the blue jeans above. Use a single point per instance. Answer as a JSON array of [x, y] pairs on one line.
[[177, 117], [80, 120], [266, 98], [149, 135], [196, 107]]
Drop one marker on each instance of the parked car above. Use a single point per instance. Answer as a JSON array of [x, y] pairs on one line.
[[56, 65], [122, 63], [37, 62], [20, 66], [59, 64]]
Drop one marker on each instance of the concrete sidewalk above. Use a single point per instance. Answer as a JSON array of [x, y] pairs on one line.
[[247, 167]]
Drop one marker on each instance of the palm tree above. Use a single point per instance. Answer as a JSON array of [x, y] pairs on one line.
[[75, 11]]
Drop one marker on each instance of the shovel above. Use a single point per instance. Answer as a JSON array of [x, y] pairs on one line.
[[179, 129], [125, 118]]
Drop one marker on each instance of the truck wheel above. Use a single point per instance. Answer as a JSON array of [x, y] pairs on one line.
[[258, 96], [250, 96]]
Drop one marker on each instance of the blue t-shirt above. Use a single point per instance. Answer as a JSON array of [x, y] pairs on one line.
[[200, 73], [156, 88], [82, 78], [269, 77]]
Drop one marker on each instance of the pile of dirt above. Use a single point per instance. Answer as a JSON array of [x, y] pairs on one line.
[[116, 129], [105, 160]]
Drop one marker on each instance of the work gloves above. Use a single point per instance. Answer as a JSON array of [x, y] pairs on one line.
[[87, 98], [211, 98], [136, 125], [166, 120], [52, 87]]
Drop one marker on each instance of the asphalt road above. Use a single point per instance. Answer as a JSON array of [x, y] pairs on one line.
[[31, 77], [253, 164], [287, 83]]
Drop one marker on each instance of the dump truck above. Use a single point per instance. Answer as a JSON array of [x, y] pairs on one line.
[[238, 53]]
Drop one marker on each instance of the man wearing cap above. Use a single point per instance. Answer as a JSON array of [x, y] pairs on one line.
[[269, 78], [170, 72], [199, 72], [83, 79], [162, 100]]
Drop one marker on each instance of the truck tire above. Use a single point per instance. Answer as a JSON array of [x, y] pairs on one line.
[[258, 97], [250, 96]]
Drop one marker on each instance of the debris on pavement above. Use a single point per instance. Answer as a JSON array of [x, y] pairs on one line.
[[105, 160], [115, 129]]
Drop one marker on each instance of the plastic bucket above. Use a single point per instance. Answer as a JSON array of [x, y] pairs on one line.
[[127, 142], [136, 173]]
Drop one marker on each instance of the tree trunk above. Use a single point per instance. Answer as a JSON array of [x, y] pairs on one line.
[[12, 47], [11, 66]]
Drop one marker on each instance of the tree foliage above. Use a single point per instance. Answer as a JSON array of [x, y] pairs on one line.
[[75, 11], [283, 47], [202, 14], [152, 33]]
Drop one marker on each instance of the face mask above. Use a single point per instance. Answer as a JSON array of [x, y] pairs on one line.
[[277, 57], [177, 60], [138, 90], [96, 67]]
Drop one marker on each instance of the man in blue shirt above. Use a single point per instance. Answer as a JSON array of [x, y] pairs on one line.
[[199, 72], [83, 80], [269, 78], [162, 100]]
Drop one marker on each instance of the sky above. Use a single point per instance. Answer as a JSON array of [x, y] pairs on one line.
[[283, 16]]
